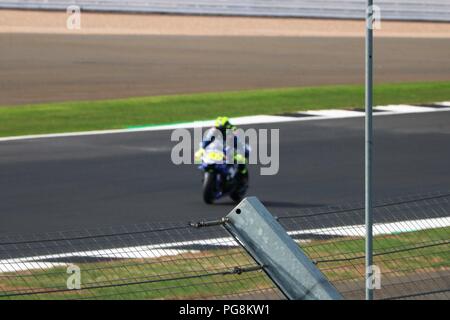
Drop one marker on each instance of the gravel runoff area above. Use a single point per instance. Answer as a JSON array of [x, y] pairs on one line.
[[116, 23], [121, 56]]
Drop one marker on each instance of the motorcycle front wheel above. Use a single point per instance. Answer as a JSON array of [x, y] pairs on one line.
[[209, 186], [239, 194]]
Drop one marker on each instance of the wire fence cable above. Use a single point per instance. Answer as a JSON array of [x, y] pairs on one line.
[[202, 261]]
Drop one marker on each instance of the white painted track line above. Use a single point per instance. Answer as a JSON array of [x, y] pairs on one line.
[[209, 123], [171, 249], [261, 119], [380, 229]]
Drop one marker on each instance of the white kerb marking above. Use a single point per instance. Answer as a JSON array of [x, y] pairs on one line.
[[335, 113], [443, 103], [404, 108]]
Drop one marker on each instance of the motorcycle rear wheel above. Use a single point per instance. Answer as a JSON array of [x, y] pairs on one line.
[[241, 190]]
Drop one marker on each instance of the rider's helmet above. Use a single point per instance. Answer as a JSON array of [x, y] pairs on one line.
[[223, 124]]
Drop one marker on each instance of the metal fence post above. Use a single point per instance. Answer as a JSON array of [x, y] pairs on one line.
[[281, 258], [368, 148]]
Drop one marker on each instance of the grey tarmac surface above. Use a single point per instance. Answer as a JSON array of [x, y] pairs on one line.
[[50, 67], [122, 179]]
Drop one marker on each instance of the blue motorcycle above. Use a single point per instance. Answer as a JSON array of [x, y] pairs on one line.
[[221, 178]]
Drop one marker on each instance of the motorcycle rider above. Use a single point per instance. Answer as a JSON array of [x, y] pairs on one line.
[[223, 126]]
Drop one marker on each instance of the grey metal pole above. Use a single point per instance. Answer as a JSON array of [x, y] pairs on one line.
[[368, 149]]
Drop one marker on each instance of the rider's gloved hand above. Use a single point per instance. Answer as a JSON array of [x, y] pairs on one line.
[[198, 155], [239, 159]]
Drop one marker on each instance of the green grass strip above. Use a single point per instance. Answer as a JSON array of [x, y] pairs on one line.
[[136, 112], [407, 254]]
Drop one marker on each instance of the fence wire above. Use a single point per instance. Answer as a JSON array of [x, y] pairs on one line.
[[411, 245], [166, 261], [185, 261]]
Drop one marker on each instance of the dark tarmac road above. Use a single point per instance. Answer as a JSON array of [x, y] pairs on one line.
[[83, 182]]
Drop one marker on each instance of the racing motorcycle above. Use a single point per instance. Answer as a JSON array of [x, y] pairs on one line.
[[221, 178]]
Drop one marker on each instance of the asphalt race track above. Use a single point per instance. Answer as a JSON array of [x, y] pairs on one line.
[[122, 179], [47, 67]]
